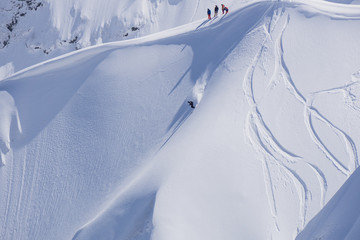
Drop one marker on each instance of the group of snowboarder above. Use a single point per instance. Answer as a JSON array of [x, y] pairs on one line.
[[224, 9]]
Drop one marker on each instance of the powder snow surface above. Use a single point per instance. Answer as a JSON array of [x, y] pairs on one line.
[[29, 35], [102, 144]]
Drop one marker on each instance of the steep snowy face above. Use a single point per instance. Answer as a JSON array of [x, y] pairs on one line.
[[101, 143], [273, 138], [340, 218], [35, 30]]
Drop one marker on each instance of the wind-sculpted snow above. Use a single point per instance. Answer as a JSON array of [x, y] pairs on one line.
[[339, 10], [8, 116], [44, 29], [341, 215], [37, 30], [309, 194], [102, 144]]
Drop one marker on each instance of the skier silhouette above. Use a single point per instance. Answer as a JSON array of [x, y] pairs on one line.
[[216, 10], [209, 13]]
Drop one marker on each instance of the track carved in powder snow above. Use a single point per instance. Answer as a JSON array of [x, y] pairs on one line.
[[275, 155], [309, 111], [263, 141], [350, 100]]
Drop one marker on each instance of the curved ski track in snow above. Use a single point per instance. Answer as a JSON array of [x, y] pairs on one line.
[[308, 111], [350, 144], [264, 142]]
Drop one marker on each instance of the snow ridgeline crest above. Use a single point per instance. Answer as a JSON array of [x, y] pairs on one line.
[[74, 25], [336, 10]]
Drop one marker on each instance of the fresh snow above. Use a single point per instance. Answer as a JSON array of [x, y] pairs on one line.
[[101, 143], [36, 30], [340, 218]]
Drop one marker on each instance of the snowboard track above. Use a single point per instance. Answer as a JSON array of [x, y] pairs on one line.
[[273, 153]]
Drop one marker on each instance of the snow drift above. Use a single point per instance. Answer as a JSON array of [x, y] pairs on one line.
[[340, 217], [37, 30], [101, 143]]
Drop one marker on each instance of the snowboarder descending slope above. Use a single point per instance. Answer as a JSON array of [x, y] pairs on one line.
[[191, 103], [216, 10], [224, 9], [209, 13]]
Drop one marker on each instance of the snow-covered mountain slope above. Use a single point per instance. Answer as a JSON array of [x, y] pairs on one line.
[[340, 217], [32, 31], [101, 143]]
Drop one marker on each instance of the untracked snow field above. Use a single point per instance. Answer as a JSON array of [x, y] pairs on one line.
[[101, 143]]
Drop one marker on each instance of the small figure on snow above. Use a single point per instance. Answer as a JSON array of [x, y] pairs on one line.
[[209, 14], [224, 9], [191, 103], [216, 11]]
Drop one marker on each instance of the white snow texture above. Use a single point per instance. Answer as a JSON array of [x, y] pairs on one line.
[[101, 143]]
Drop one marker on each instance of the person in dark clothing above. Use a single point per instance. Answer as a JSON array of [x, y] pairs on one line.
[[216, 11], [209, 14], [191, 103]]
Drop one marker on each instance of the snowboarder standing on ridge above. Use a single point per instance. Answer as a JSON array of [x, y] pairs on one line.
[[216, 10], [224, 9], [209, 14]]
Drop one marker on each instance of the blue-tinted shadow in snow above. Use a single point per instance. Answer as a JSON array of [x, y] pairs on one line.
[[180, 117], [42, 92], [212, 44], [127, 219]]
